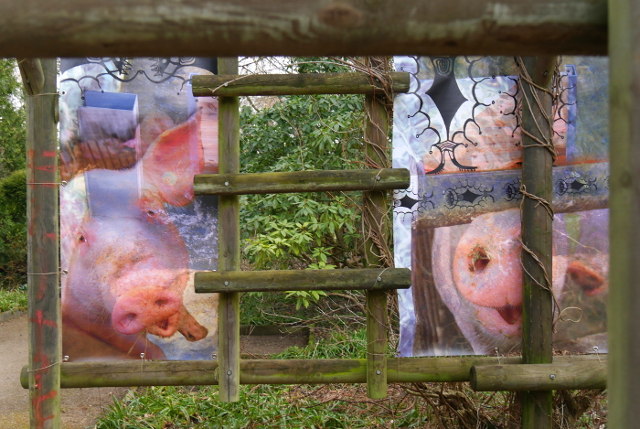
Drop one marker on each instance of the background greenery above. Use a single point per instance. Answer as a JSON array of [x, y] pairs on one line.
[[13, 194]]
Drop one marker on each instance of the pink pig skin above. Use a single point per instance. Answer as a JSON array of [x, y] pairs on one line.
[[480, 278], [128, 268]]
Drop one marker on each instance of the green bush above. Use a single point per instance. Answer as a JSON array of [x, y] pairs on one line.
[[297, 133], [13, 230]]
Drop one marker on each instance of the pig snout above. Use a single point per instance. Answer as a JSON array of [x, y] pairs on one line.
[[152, 309], [487, 273]]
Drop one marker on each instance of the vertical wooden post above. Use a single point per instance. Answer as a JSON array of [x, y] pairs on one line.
[[229, 242], [376, 230], [624, 203], [39, 77], [537, 307]]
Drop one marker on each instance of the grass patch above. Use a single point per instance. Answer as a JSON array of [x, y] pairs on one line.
[[15, 299], [259, 407]]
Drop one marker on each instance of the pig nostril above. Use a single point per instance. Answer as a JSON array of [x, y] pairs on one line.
[[129, 319], [161, 302], [478, 260], [163, 324]]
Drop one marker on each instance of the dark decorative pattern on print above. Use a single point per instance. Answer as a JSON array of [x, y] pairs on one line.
[[444, 69], [448, 103], [512, 190], [574, 183], [122, 69], [565, 98], [407, 202], [476, 82], [467, 195], [448, 98]]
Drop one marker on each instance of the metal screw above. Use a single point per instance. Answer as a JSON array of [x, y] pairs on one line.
[[229, 373], [142, 355], [377, 178], [378, 372], [226, 283], [65, 358], [379, 279], [552, 376], [226, 183]]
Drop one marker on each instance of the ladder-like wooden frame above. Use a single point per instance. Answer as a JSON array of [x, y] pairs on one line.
[[338, 28]]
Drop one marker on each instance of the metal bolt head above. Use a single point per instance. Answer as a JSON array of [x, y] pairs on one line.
[[378, 372], [142, 355], [226, 183], [229, 373], [379, 279], [65, 358], [226, 283], [552, 376]]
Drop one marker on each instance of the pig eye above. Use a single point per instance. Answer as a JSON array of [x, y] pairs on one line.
[[82, 239], [151, 213]]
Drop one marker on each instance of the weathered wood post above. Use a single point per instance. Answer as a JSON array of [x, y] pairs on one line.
[[43, 276], [536, 75], [375, 216], [624, 232], [229, 242]]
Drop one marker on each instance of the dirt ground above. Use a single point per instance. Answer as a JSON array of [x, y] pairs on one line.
[[80, 407]]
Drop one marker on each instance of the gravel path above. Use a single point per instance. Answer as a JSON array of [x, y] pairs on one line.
[[80, 407]]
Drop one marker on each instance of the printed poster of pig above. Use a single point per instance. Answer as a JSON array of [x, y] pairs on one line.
[[458, 224], [132, 137]]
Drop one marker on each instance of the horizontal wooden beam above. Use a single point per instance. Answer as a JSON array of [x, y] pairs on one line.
[[288, 280], [297, 84], [301, 181], [80, 28], [541, 377], [282, 371]]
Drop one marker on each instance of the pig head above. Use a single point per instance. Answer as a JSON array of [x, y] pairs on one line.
[[126, 263], [478, 275]]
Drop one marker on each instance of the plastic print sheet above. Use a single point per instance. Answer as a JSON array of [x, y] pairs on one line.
[[458, 225], [131, 139]]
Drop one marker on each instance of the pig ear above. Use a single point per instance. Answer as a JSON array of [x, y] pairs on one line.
[[169, 165]]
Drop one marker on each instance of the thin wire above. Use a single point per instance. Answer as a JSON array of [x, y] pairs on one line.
[[44, 368]]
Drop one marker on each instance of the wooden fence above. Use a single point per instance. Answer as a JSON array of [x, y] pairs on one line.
[[350, 27]]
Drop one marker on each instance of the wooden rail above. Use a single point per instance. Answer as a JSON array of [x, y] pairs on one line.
[[229, 241], [39, 77], [301, 181], [165, 28], [287, 280], [537, 231], [540, 377], [289, 371], [624, 233], [295, 84]]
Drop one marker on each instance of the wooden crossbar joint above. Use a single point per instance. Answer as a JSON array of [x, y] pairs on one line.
[[540, 377], [301, 181], [290, 280], [295, 84]]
